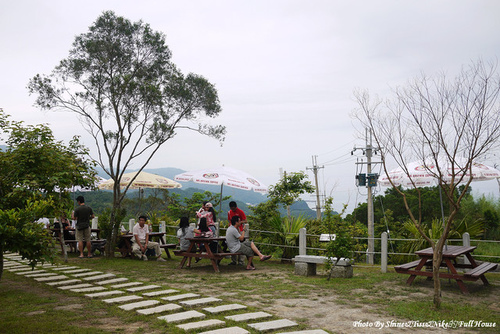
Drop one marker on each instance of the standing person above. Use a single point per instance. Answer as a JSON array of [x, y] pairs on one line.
[[141, 241], [236, 244], [211, 217], [83, 214], [236, 212]]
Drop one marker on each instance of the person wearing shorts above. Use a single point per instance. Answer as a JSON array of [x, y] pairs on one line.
[[234, 243], [83, 214]]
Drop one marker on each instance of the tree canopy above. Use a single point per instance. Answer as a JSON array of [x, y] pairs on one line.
[[35, 173], [120, 81]]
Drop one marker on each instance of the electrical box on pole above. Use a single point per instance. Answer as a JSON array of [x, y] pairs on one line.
[[361, 180]]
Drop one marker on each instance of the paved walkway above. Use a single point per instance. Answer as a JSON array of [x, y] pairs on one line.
[[189, 311]]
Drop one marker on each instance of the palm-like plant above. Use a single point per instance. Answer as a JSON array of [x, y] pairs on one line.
[[286, 232]]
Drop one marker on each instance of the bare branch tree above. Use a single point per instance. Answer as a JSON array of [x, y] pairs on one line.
[[446, 124]]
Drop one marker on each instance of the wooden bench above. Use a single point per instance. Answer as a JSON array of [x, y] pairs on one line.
[[218, 256], [481, 269], [166, 247], [403, 268], [98, 244], [305, 265]]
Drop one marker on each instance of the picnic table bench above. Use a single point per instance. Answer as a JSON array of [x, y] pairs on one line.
[[194, 251], [450, 254], [126, 245], [97, 244]]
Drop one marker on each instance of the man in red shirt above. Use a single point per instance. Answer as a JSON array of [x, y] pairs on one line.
[[235, 211]]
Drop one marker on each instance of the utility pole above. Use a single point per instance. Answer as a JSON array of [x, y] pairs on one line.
[[369, 180], [315, 168]]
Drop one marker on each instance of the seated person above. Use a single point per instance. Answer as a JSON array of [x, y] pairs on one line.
[[141, 241], [184, 231], [203, 231], [234, 242]]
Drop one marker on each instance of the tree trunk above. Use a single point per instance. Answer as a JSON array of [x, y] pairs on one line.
[[1, 260], [436, 264]]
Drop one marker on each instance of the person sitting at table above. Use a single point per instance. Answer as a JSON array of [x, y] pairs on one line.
[[141, 241], [203, 231], [184, 231], [234, 242]]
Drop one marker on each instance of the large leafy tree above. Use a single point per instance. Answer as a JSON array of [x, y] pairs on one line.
[[35, 173], [443, 123], [289, 188], [120, 81]]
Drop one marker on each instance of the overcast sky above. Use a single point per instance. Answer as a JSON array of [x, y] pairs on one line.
[[285, 70]]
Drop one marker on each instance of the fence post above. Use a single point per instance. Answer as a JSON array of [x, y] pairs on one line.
[[94, 222], [302, 241], [383, 259], [466, 242], [162, 227]]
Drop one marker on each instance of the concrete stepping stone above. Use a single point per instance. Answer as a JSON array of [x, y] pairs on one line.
[[71, 281], [144, 287], [98, 277], [125, 285], [122, 299], [90, 289], [14, 265], [10, 263], [76, 271], [229, 330], [78, 286], [159, 309], [158, 293], [224, 308], [104, 294], [273, 325], [31, 272], [182, 316], [65, 268], [40, 275], [201, 301], [51, 278], [201, 324], [89, 273], [111, 281], [144, 303], [248, 316], [313, 331], [19, 269], [179, 297]]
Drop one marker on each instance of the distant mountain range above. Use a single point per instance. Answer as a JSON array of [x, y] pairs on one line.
[[242, 197]]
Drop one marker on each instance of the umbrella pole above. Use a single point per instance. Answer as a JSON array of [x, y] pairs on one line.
[[220, 201]]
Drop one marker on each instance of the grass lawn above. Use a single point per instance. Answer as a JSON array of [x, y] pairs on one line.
[[28, 306]]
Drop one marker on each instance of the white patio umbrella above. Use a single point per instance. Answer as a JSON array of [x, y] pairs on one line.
[[143, 180], [423, 174], [223, 176]]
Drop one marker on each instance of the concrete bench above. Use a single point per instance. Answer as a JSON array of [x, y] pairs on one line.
[[305, 265]]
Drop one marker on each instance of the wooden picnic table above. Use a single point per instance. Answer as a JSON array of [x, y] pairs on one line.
[[56, 233], [126, 248], [449, 261], [194, 251]]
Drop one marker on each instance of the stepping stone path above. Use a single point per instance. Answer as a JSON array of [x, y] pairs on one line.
[[189, 310]]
